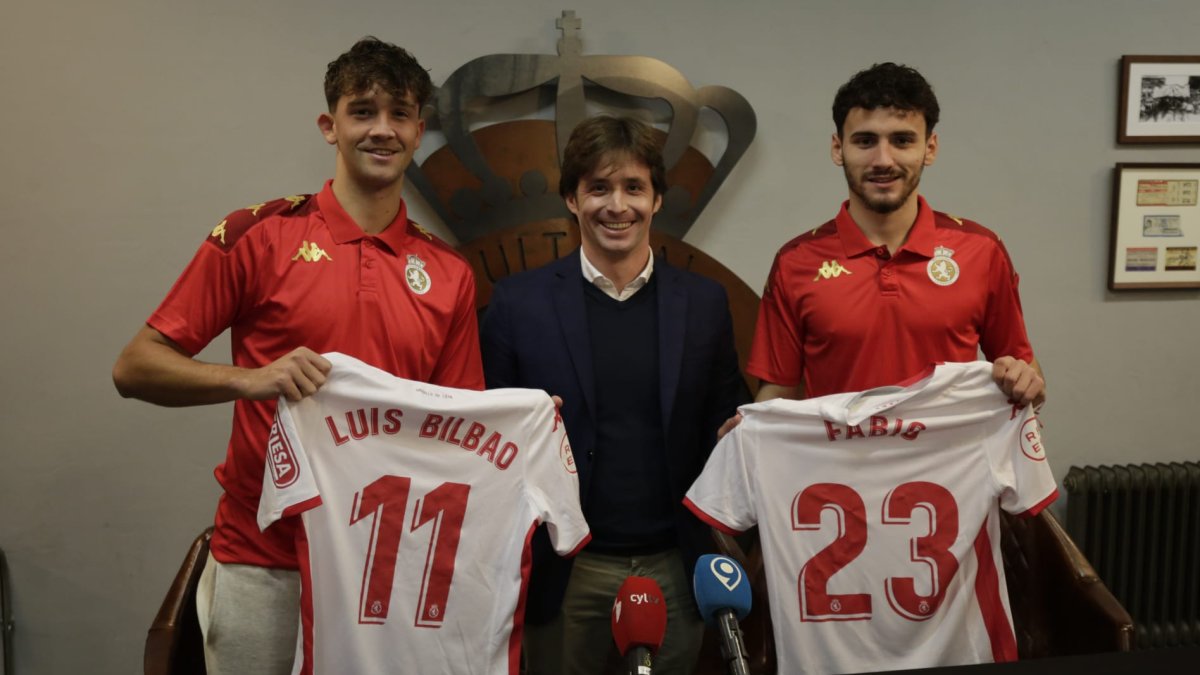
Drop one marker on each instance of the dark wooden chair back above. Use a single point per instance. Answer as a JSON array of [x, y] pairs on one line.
[[174, 644], [1059, 605]]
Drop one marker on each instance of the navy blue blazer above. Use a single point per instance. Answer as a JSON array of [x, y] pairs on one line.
[[535, 335]]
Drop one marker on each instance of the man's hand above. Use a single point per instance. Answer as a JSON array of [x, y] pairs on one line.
[[766, 392], [729, 425], [297, 374], [1020, 381]]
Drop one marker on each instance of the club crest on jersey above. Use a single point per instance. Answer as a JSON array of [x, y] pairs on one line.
[[416, 276], [831, 269], [280, 459], [1031, 440], [568, 457], [942, 269]]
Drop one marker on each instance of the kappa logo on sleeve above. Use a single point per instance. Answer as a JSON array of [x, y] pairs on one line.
[[219, 231], [1031, 440], [281, 460]]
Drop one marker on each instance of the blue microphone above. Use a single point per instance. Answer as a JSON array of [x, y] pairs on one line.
[[723, 596]]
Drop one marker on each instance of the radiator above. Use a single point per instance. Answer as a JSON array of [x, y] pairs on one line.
[[1139, 526]]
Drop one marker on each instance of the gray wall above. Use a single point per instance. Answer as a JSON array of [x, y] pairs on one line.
[[131, 127]]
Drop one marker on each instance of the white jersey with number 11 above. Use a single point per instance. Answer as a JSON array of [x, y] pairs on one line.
[[418, 503]]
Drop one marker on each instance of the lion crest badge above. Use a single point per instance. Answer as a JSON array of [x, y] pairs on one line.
[[942, 268], [416, 276]]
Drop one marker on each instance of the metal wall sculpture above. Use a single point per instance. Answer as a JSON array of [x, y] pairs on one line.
[[494, 182]]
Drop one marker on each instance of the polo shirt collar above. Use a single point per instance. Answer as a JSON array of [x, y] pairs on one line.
[[920, 236], [345, 230]]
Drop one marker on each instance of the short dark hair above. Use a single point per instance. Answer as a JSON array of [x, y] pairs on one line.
[[886, 85], [373, 62], [598, 137]]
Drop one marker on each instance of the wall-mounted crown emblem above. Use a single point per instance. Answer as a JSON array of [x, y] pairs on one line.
[[506, 119], [496, 172]]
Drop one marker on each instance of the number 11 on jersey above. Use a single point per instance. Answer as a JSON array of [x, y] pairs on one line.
[[385, 502]]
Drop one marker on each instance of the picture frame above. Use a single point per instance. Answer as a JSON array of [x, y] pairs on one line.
[[1160, 99], [1155, 227]]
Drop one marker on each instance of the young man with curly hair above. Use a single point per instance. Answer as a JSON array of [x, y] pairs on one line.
[[344, 270]]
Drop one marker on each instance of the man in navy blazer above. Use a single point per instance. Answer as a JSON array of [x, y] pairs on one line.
[[642, 355]]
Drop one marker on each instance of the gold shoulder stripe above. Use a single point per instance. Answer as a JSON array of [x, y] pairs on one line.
[[422, 230], [236, 224], [954, 218]]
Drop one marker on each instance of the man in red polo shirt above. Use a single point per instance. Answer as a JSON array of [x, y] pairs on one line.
[[344, 270], [889, 286]]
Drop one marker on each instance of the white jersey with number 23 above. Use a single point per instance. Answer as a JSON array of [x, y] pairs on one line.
[[878, 514]]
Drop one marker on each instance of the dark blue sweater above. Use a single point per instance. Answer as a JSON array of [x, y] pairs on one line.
[[629, 506]]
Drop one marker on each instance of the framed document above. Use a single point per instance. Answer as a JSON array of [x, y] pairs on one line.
[[1155, 226], [1160, 99]]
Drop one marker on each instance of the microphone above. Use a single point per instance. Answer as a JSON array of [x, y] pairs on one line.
[[639, 622], [723, 597]]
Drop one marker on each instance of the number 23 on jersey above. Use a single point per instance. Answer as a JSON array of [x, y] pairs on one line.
[[930, 551]]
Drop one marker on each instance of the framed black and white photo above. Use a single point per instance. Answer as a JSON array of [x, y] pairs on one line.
[[1155, 227], [1160, 99]]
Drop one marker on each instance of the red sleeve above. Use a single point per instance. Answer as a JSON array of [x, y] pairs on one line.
[[460, 364], [1003, 332], [777, 354], [208, 295]]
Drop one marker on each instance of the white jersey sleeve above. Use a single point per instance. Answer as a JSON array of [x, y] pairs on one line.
[[722, 495], [553, 489], [1025, 483], [289, 487]]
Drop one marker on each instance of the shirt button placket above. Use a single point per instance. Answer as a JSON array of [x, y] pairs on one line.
[[368, 273], [888, 285]]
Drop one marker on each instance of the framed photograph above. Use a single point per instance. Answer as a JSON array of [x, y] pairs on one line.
[[1160, 99], [1155, 227]]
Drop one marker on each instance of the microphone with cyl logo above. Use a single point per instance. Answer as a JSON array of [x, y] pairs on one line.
[[723, 597], [639, 622]]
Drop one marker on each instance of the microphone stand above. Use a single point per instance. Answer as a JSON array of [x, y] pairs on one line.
[[733, 649], [639, 660]]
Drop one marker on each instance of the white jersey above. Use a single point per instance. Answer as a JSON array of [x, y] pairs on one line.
[[878, 517], [418, 503]]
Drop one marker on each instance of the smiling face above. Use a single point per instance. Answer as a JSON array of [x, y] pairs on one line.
[[376, 135], [614, 204], [883, 152]]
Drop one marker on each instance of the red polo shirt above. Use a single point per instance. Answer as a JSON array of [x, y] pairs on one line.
[[840, 314], [298, 272]]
